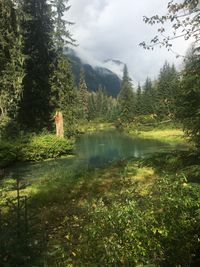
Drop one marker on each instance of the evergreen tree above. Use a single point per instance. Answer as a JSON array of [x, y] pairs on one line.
[[188, 100], [11, 62], [35, 109], [148, 97], [100, 102], [83, 95], [92, 111], [139, 102], [167, 89], [64, 94], [126, 99]]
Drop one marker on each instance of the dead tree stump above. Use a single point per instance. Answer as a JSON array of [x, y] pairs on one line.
[[59, 124]]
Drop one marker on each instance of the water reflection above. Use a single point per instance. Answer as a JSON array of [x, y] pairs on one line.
[[94, 150], [99, 149]]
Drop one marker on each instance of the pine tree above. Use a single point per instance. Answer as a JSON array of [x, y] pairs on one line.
[[148, 97], [126, 99], [11, 58], [35, 112], [139, 102], [167, 89], [64, 94], [188, 100], [92, 111], [83, 95]]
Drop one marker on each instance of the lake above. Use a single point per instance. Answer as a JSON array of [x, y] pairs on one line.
[[94, 150]]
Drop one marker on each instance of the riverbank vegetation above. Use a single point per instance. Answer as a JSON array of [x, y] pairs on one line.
[[34, 148]]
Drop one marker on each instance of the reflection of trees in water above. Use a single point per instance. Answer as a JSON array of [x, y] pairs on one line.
[[103, 147], [93, 150]]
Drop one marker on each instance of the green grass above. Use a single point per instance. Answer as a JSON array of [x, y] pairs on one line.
[[168, 135]]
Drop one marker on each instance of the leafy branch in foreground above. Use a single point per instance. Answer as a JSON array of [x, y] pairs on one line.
[[185, 19]]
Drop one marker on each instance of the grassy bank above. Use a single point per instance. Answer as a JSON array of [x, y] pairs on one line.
[[169, 135]]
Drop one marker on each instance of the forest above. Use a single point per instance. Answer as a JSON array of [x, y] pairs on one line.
[[117, 182]]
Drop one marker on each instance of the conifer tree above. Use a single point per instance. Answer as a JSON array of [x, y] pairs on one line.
[[92, 111], [167, 89], [83, 95], [35, 109], [148, 97], [11, 58], [64, 94], [126, 99], [188, 100], [139, 102]]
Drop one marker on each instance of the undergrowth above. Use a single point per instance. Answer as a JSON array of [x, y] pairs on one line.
[[33, 148]]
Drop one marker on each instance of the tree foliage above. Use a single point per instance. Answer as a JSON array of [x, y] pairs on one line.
[[126, 99], [35, 110], [64, 94], [184, 17], [188, 102], [11, 58], [83, 96], [166, 91]]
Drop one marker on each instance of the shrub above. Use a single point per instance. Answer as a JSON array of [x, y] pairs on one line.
[[8, 154], [47, 146], [34, 148], [145, 119], [159, 229], [8, 127]]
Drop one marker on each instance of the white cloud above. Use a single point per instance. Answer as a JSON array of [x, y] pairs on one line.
[[114, 28]]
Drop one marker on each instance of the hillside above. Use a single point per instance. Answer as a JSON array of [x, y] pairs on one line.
[[95, 76]]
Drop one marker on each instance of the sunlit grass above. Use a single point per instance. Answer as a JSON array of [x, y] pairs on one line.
[[174, 136]]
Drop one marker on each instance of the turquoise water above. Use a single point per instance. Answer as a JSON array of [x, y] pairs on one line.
[[95, 150]]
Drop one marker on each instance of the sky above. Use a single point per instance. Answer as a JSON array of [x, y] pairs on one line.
[[113, 29]]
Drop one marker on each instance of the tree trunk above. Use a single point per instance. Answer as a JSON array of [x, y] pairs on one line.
[[59, 124]]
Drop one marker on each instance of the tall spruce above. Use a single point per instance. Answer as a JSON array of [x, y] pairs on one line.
[[126, 99], [188, 100], [11, 58], [148, 96], [167, 89], [64, 96], [83, 95], [139, 102], [35, 109]]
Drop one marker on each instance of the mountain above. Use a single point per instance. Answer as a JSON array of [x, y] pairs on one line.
[[95, 76], [115, 66]]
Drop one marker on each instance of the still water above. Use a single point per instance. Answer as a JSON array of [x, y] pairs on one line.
[[94, 150]]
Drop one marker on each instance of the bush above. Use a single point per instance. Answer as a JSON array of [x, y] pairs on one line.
[[145, 119], [45, 146], [8, 154], [159, 229], [34, 148], [8, 127]]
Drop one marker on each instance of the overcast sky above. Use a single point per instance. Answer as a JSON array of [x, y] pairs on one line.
[[114, 28]]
